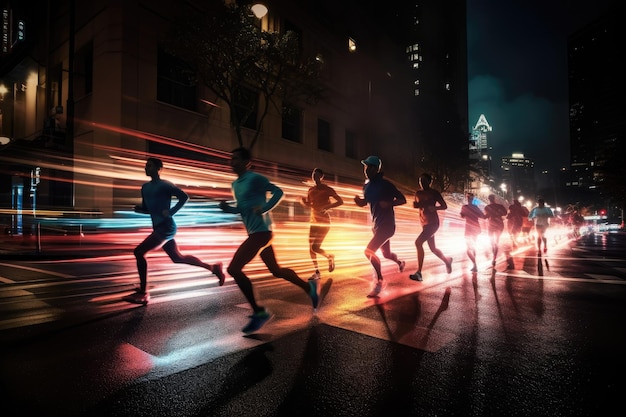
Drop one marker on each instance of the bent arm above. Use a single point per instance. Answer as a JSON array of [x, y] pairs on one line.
[[338, 200], [182, 199], [399, 199], [359, 201], [277, 195], [442, 203]]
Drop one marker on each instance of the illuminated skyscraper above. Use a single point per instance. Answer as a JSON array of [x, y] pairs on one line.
[[479, 146], [519, 175]]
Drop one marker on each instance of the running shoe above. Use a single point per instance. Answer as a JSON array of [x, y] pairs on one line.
[[217, 270], [331, 263], [378, 288], [257, 320], [401, 266], [316, 275], [417, 276], [138, 297], [449, 266]]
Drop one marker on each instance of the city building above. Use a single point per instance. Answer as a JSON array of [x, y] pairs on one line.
[[480, 175], [518, 176], [437, 52], [597, 108], [90, 92]]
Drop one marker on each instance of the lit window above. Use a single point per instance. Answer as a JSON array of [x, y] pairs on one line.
[[416, 65], [351, 45], [448, 86], [417, 91], [412, 48]]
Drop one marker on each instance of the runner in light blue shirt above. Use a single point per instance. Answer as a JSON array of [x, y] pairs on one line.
[[250, 191]]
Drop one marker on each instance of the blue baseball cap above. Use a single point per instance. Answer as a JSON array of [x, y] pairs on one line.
[[373, 160]]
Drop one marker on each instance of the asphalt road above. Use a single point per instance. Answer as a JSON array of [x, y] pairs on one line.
[[543, 339]]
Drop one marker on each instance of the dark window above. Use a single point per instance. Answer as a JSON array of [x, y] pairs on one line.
[[292, 122], [83, 71], [246, 106], [351, 151], [174, 85], [323, 135]]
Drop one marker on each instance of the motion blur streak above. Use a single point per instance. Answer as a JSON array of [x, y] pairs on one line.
[[207, 232]]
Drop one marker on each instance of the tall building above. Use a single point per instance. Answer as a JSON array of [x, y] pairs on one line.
[[480, 156], [438, 57], [518, 175], [597, 108]]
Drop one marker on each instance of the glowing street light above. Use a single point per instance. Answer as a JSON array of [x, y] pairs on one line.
[[259, 10]]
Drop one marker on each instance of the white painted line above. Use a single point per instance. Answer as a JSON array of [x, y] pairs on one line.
[[43, 271]]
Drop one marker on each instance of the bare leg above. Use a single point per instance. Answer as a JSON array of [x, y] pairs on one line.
[[171, 248], [244, 254], [269, 258], [151, 242]]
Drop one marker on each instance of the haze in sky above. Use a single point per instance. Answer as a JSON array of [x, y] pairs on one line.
[[518, 74]]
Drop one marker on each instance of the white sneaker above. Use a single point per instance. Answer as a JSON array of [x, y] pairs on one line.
[[316, 275], [378, 288]]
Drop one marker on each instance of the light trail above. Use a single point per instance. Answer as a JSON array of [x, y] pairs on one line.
[[201, 222]]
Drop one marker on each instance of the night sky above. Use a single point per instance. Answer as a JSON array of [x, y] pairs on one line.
[[517, 73]]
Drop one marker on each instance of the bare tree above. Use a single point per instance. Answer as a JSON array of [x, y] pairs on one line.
[[226, 50]]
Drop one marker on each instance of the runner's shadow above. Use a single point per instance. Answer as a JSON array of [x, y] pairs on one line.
[[245, 374], [409, 313], [325, 289], [475, 286], [443, 306]]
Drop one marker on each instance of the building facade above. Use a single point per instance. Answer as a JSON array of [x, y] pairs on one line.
[[518, 175], [90, 97], [597, 107]]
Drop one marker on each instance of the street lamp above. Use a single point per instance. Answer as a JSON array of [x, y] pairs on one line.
[[259, 10]]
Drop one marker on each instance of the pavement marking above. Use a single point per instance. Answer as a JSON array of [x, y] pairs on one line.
[[30, 320], [42, 271], [603, 277], [562, 278]]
